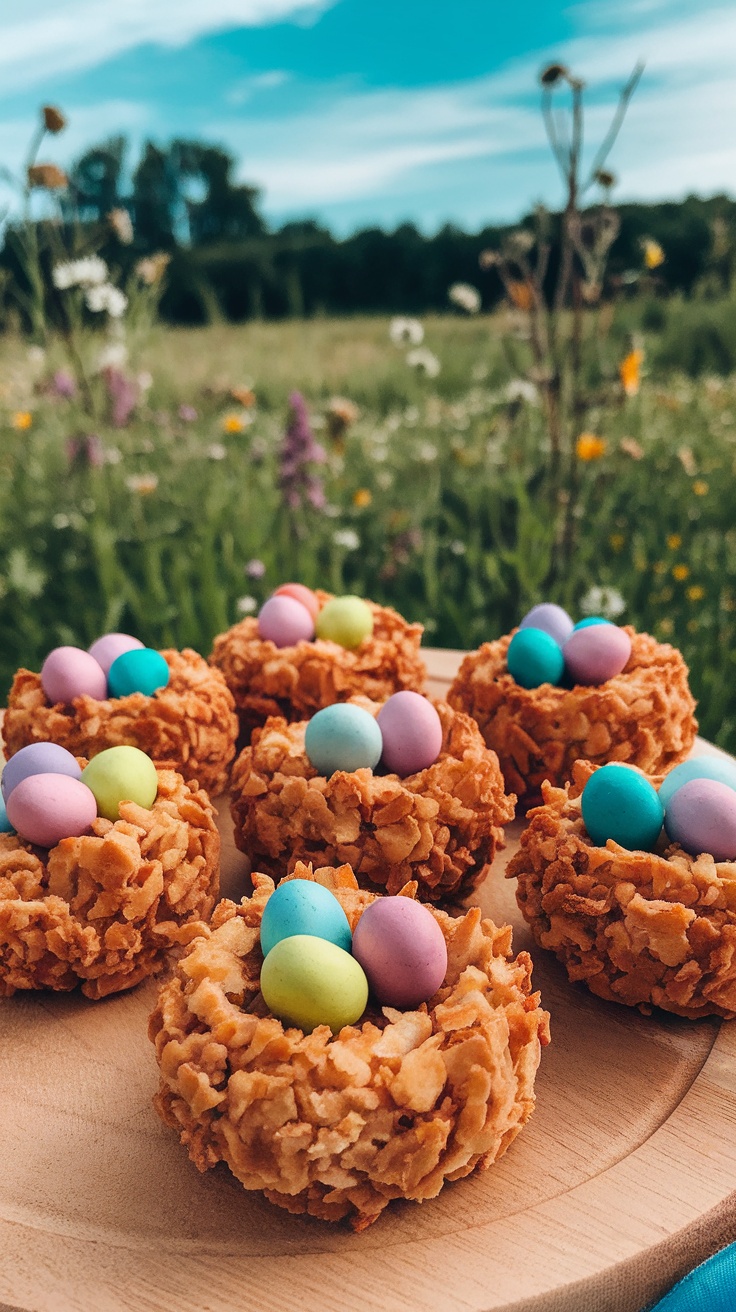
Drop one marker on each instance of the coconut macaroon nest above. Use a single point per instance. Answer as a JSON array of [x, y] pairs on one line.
[[103, 910], [190, 724], [297, 681], [644, 928], [439, 827], [643, 716], [337, 1126]]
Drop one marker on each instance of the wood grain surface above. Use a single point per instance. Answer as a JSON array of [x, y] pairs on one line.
[[624, 1178]]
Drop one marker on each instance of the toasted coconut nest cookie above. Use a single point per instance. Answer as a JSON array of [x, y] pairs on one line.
[[650, 929], [104, 909], [338, 1126], [190, 724], [643, 716], [439, 827], [297, 681]]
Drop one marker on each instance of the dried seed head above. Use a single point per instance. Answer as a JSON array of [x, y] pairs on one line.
[[605, 178], [488, 259], [552, 74], [48, 176], [53, 118]]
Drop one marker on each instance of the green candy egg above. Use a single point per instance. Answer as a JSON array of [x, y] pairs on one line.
[[142, 670], [620, 803], [534, 658], [121, 774], [345, 620], [307, 981]]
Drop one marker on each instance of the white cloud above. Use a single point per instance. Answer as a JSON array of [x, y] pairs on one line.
[[247, 87], [46, 39]]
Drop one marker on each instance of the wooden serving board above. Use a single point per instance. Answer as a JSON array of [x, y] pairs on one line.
[[624, 1178]]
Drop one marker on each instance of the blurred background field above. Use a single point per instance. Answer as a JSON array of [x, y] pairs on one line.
[[175, 524]]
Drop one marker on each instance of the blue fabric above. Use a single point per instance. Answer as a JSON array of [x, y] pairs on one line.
[[709, 1288]]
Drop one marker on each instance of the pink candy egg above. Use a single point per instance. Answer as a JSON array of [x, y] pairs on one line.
[[701, 817], [285, 621], [402, 951], [411, 731], [302, 594], [596, 653], [44, 808], [107, 648], [69, 672]]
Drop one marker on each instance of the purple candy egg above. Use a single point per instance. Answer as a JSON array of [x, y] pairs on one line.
[[411, 731], [69, 672], [402, 951], [38, 758], [552, 619], [701, 817], [44, 808], [285, 621], [596, 653], [107, 648]]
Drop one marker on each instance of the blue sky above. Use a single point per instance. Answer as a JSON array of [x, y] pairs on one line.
[[378, 111]]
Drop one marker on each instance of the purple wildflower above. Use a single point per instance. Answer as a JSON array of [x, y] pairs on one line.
[[85, 450], [255, 569], [64, 385], [187, 413], [298, 451], [123, 394]]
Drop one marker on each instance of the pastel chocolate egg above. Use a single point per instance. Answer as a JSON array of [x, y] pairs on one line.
[[111, 645], [121, 774], [5, 825], [285, 621], [402, 950], [412, 733], [140, 670], [534, 658], [552, 619], [343, 737], [300, 906], [619, 802], [698, 767], [592, 619], [308, 981], [302, 594], [45, 808], [38, 758], [701, 817], [69, 672], [596, 653], [347, 621]]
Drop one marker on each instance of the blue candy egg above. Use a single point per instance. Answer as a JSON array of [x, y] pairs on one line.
[[143, 670], [592, 619], [300, 906], [5, 825], [534, 657], [551, 618], [38, 758], [620, 803], [698, 767], [343, 737]]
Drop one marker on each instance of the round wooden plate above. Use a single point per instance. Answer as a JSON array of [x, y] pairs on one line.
[[624, 1178]]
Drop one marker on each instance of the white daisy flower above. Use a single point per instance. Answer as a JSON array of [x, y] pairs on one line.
[[466, 298], [606, 602], [405, 332]]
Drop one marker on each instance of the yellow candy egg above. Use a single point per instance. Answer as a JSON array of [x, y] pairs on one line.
[[345, 620], [307, 981]]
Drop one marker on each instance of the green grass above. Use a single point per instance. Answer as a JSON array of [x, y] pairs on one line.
[[456, 533]]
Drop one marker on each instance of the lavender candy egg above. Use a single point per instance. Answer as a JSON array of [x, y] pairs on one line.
[[701, 817], [596, 653], [285, 621], [402, 951], [411, 731], [69, 672], [111, 645], [551, 619], [38, 758], [45, 808]]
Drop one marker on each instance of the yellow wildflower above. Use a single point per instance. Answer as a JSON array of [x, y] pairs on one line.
[[692, 626], [520, 294], [233, 423], [653, 253], [617, 541], [245, 395], [674, 541], [665, 627], [659, 567], [630, 372], [362, 498], [680, 572], [22, 419], [143, 484], [700, 487], [590, 447], [695, 592]]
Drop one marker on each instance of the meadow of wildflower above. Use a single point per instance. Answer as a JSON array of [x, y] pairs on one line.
[[399, 460]]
